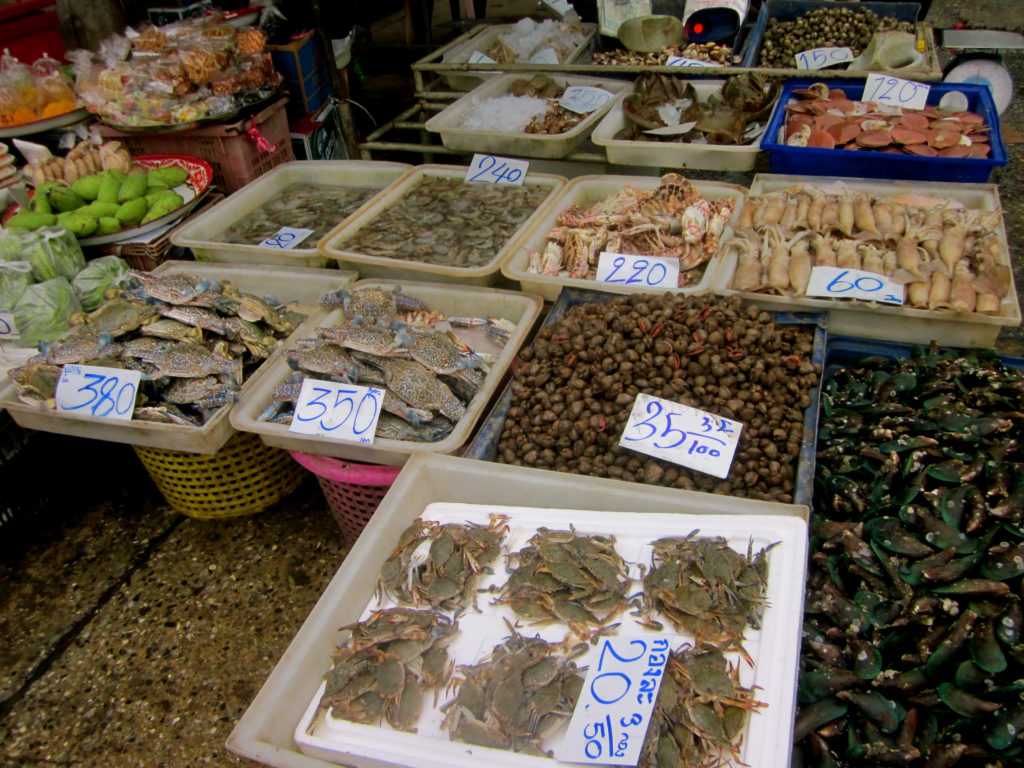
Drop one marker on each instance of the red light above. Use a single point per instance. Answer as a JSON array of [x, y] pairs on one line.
[[698, 28]]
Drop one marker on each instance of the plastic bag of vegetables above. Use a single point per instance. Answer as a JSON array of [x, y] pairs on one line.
[[44, 309], [15, 277], [12, 241], [53, 252], [98, 276]]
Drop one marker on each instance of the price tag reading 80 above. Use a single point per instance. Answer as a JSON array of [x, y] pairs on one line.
[[614, 709], [893, 90], [682, 61], [681, 434], [286, 238], [816, 58], [341, 411], [107, 393], [838, 283], [7, 327], [584, 99]]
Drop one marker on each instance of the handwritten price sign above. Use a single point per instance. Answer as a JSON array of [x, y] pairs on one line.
[[7, 328], [497, 170], [817, 58], [682, 61], [614, 710], [343, 411], [480, 58], [108, 393], [648, 271], [893, 90], [838, 283], [286, 238], [681, 434], [583, 99]]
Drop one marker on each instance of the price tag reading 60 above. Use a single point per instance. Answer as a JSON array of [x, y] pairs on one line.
[[108, 393], [343, 411]]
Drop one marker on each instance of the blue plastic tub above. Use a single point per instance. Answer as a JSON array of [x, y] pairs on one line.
[[485, 444], [882, 165], [791, 10]]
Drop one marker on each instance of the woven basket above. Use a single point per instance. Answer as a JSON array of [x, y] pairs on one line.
[[352, 490], [244, 477]]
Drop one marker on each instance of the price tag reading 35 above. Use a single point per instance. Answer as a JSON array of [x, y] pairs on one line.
[[108, 393], [342, 411], [647, 271], [816, 58], [681, 434], [838, 283], [7, 327], [497, 170], [286, 238], [583, 99], [892, 90], [614, 709]]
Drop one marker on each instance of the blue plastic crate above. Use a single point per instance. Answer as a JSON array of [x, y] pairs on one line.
[[883, 165], [485, 444], [791, 10]]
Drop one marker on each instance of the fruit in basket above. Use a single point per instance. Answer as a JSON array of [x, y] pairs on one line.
[[31, 220], [64, 199], [168, 176], [131, 212], [87, 187], [78, 223], [110, 184], [133, 187], [163, 205], [107, 225]]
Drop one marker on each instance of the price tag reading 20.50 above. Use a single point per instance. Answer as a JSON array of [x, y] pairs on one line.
[[681, 434], [342, 411], [614, 709], [497, 170], [645, 271], [838, 283], [286, 238], [108, 393], [893, 90]]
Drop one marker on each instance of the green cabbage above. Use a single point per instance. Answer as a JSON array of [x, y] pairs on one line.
[[15, 277], [99, 275], [44, 309], [54, 252]]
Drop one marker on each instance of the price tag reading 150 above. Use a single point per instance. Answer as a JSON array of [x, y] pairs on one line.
[[681, 434], [108, 393], [342, 411], [816, 58], [614, 709]]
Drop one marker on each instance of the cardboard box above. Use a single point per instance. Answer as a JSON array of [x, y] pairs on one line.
[[319, 137], [304, 68]]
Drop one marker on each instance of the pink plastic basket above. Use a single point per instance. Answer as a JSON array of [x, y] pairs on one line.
[[353, 490]]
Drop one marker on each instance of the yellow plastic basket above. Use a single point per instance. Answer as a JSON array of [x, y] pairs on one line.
[[244, 477]]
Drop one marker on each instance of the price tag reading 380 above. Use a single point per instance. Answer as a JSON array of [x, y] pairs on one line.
[[583, 99], [838, 283], [108, 393], [817, 58], [892, 90], [497, 170], [646, 271], [681, 434], [286, 238], [614, 709], [342, 411]]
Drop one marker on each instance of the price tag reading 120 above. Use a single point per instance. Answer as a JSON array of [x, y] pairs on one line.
[[646, 271], [342, 411], [286, 238], [838, 283], [893, 90], [108, 393], [497, 170], [583, 99], [681, 434], [816, 58], [614, 709]]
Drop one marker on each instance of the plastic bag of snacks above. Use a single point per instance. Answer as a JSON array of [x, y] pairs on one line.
[[32, 93]]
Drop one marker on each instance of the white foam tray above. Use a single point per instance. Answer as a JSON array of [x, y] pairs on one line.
[[585, 191], [674, 154], [883, 321], [522, 309], [304, 286], [333, 243], [203, 233], [266, 731], [516, 143]]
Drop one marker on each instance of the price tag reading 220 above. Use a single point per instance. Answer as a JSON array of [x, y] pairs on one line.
[[614, 710], [893, 90], [645, 271], [108, 393], [497, 170], [342, 411], [681, 434]]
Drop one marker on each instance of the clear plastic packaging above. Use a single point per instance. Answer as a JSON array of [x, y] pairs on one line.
[[15, 278], [43, 312], [54, 252], [99, 276]]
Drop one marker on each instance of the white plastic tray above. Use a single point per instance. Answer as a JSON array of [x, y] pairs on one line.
[[585, 191], [484, 39], [878, 321], [333, 243], [305, 286], [674, 154], [204, 232], [265, 731], [520, 308], [767, 736], [520, 144]]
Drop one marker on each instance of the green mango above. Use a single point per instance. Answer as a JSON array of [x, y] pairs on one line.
[[108, 225], [132, 188], [109, 187], [63, 199], [168, 176], [132, 211], [87, 187], [31, 220], [100, 209], [171, 201], [80, 224], [41, 200]]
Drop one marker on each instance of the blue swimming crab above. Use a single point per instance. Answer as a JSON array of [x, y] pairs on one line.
[[175, 330], [174, 289], [317, 356], [165, 414], [373, 341], [419, 387], [254, 309], [36, 383], [372, 306], [189, 360], [203, 392], [197, 317], [117, 317], [81, 343]]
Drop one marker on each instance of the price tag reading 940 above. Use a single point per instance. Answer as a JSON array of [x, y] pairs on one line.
[[8, 330], [108, 393], [583, 99], [286, 238], [497, 170], [817, 58], [682, 61], [838, 283], [892, 90], [342, 411], [614, 709], [645, 271], [681, 434]]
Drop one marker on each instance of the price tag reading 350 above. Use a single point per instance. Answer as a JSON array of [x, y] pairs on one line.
[[838, 283], [681, 434], [646, 271], [614, 709], [108, 393], [497, 170], [342, 411], [583, 99], [816, 58], [892, 90], [286, 238]]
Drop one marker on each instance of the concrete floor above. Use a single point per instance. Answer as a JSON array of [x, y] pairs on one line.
[[133, 636]]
